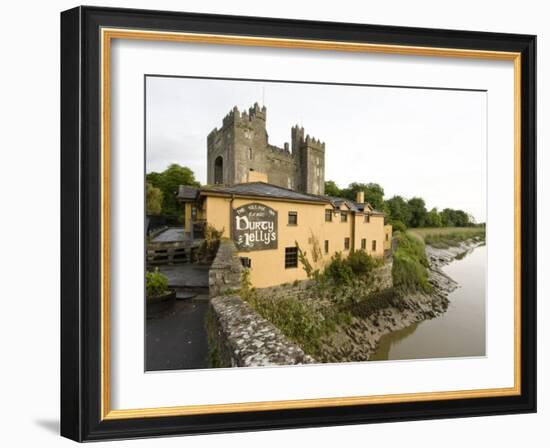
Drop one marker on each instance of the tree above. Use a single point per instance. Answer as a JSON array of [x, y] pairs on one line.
[[331, 189], [153, 199], [398, 210], [418, 212], [168, 182], [455, 218], [374, 193], [433, 219]]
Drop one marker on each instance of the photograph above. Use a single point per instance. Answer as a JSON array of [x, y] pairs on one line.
[[291, 223]]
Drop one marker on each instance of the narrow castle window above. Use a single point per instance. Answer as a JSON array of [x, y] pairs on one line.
[[218, 170], [346, 243], [326, 246], [374, 245], [363, 243], [367, 218], [328, 215], [249, 153], [344, 216]]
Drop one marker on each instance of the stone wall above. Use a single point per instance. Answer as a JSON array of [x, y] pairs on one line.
[[240, 337], [383, 278], [225, 272], [242, 146]]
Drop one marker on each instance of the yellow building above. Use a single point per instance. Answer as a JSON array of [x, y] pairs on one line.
[[267, 222]]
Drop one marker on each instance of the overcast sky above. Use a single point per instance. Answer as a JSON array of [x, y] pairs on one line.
[[413, 142]]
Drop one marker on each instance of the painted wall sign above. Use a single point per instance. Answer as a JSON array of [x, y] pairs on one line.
[[255, 227]]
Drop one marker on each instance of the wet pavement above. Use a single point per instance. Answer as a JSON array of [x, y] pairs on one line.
[[178, 340], [170, 235], [186, 275]]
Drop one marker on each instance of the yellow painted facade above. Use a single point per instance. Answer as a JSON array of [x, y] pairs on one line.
[[388, 230], [319, 238]]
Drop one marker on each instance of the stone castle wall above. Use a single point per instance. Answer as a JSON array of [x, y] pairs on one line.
[[240, 337], [242, 144], [225, 272]]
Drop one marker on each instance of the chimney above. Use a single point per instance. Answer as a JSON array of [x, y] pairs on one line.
[[360, 197]]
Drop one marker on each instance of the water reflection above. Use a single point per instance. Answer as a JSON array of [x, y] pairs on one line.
[[458, 332]]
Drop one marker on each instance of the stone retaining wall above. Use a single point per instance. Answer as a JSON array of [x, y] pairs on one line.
[[240, 337], [225, 273]]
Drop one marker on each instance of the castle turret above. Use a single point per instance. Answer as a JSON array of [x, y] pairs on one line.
[[240, 152], [310, 162]]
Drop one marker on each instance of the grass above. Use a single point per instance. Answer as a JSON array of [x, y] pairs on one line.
[[410, 265], [302, 319], [328, 302], [445, 237]]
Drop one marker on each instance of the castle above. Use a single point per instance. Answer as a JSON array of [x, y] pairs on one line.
[[240, 152]]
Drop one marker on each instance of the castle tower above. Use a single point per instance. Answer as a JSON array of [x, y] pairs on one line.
[[310, 162], [240, 152], [235, 148]]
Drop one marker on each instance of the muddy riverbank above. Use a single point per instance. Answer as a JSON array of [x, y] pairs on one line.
[[359, 340]]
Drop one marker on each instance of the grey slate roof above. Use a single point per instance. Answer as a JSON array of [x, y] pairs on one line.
[[187, 192], [352, 205], [265, 190], [262, 189]]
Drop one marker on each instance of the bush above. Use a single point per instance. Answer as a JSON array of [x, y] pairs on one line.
[[301, 320], [398, 226], [361, 263], [410, 265], [156, 283], [338, 270]]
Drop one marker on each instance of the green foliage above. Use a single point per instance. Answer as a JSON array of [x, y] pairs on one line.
[[417, 207], [453, 239], [156, 283], [455, 218], [306, 265], [398, 210], [331, 189], [362, 264], [374, 193], [358, 267], [153, 199], [433, 218], [338, 270], [398, 226], [168, 182], [410, 265], [303, 320]]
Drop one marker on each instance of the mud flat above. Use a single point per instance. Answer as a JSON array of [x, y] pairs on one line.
[[359, 340]]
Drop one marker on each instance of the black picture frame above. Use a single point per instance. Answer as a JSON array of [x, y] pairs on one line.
[[81, 224]]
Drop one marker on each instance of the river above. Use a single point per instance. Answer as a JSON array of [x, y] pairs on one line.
[[458, 332]]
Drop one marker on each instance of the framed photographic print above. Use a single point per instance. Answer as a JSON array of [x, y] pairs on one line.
[[273, 223]]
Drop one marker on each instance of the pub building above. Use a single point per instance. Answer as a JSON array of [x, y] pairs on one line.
[[266, 222]]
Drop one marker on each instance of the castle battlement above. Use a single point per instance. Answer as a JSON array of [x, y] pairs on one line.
[[241, 147]]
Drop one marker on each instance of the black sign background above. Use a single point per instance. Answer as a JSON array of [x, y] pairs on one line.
[[255, 227]]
